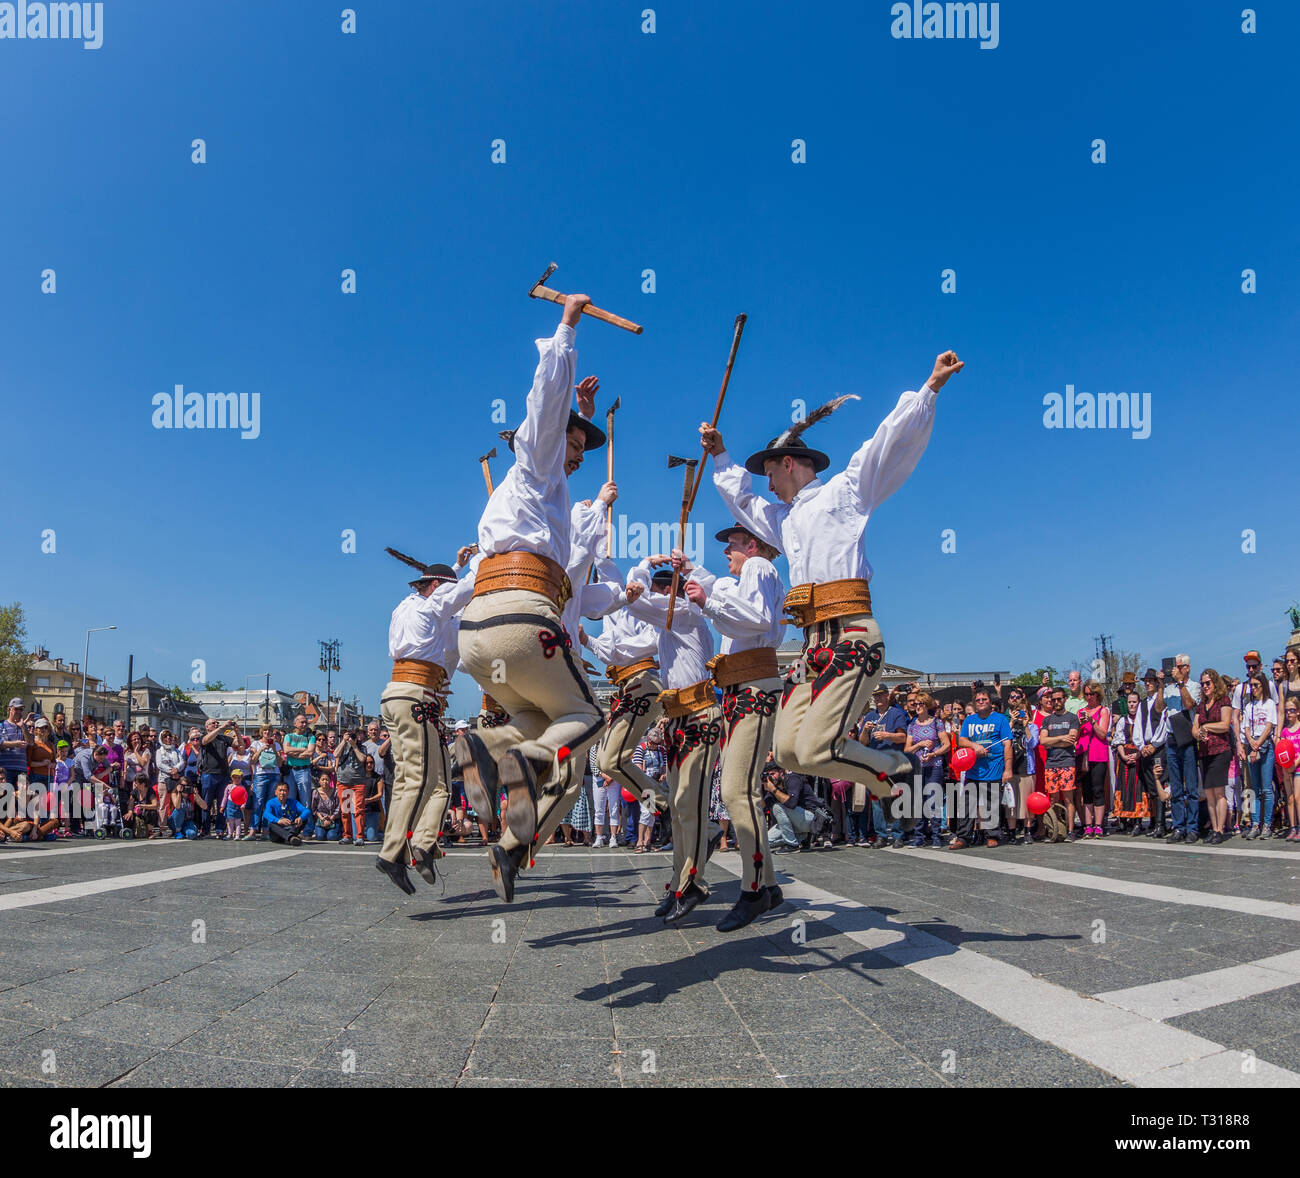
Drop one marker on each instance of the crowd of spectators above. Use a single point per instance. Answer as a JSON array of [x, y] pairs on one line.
[[1168, 755], [69, 779]]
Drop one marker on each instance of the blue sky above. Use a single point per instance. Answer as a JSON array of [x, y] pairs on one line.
[[627, 151]]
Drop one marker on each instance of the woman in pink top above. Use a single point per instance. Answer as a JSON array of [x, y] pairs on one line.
[[1289, 729], [1094, 751]]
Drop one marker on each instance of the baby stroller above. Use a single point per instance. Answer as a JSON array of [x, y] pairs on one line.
[[108, 818]]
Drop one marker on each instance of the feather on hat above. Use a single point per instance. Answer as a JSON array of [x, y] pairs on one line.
[[428, 572], [789, 442]]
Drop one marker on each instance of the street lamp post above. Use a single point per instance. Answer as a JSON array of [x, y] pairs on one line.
[[329, 663], [85, 659]]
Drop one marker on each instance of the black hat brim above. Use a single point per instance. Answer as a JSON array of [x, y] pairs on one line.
[[444, 574], [665, 579], [594, 436], [724, 536], [754, 463]]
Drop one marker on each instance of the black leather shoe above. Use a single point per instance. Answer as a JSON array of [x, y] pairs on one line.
[[505, 866], [480, 774], [397, 873], [750, 906], [516, 775], [1176, 837], [692, 896], [714, 843], [665, 905], [775, 897], [423, 862]]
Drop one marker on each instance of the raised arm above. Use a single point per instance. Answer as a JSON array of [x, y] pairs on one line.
[[540, 440], [884, 462], [736, 486]]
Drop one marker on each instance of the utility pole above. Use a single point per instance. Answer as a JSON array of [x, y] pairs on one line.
[[329, 663], [1104, 654]]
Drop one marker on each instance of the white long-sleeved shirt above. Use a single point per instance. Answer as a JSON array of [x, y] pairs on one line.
[[529, 511], [1149, 725], [623, 639], [427, 627], [821, 530], [586, 531], [685, 650], [746, 610]]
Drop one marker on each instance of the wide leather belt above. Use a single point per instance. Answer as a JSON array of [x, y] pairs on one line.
[[682, 701], [420, 671], [809, 604], [523, 570], [617, 675], [743, 666]]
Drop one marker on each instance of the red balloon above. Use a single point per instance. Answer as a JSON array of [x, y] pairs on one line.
[[629, 797], [239, 795], [1284, 753], [963, 759], [1038, 802]]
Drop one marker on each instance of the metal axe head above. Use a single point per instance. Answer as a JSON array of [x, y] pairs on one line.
[[551, 269], [673, 460], [490, 454], [507, 436], [609, 413]]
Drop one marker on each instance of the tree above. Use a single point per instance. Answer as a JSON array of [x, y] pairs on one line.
[[14, 662], [178, 695], [216, 685], [1035, 678]]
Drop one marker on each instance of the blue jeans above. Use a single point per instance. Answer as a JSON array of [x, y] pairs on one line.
[[213, 784], [178, 820], [1184, 787], [792, 824], [299, 779], [331, 834], [1261, 781], [859, 822], [262, 788]]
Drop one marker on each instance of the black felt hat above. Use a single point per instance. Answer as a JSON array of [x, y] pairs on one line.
[[595, 436], [442, 573], [789, 441]]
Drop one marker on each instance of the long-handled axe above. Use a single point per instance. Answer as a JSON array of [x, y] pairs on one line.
[[487, 473], [539, 290], [737, 332], [609, 474], [694, 488], [690, 464]]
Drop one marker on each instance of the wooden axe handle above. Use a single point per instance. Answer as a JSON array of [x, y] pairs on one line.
[[554, 296]]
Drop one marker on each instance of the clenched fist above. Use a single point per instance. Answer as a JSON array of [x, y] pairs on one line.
[[946, 364]]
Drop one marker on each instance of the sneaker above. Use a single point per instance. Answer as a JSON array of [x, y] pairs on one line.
[[936, 841], [957, 844], [1176, 837], [992, 842], [1071, 837], [600, 842], [918, 841], [1253, 833], [1215, 839]]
